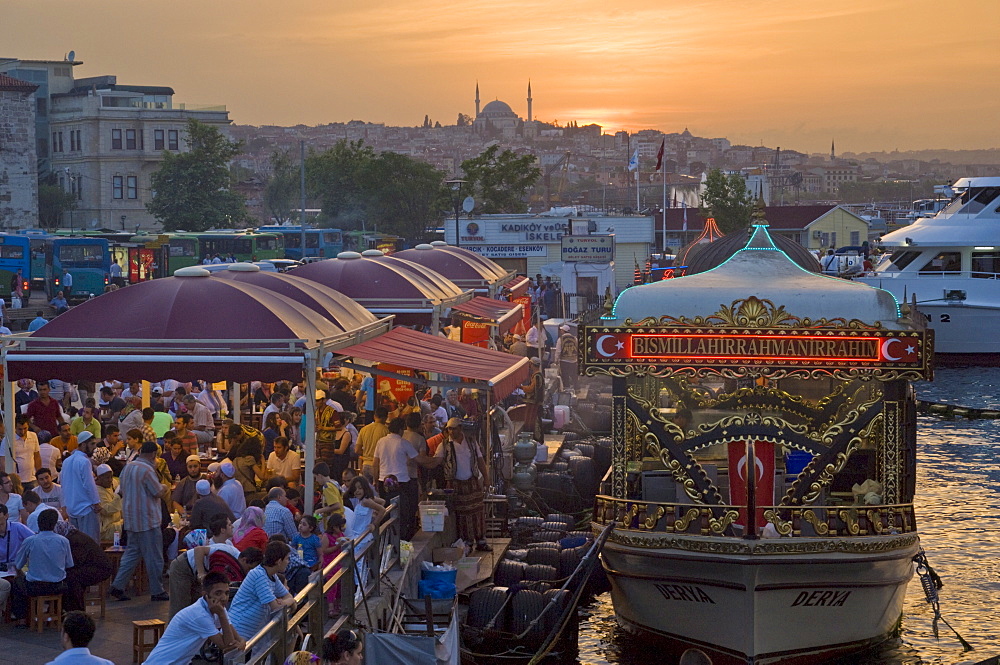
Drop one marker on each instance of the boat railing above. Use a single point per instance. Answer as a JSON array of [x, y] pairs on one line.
[[942, 274], [807, 521], [277, 639]]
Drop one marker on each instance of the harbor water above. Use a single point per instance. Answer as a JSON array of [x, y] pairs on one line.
[[958, 513]]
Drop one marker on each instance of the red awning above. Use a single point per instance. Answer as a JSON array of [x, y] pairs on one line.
[[498, 371], [518, 286], [505, 314]]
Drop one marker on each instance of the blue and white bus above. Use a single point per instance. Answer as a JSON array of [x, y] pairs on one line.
[[322, 243]]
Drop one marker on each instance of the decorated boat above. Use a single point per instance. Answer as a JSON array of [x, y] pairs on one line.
[[764, 458]]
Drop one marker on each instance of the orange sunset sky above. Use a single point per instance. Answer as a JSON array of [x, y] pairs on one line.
[[872, 74]]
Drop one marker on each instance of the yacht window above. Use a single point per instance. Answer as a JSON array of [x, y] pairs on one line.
[[945, 262], [901, 259], [985, 265], [981, 198]]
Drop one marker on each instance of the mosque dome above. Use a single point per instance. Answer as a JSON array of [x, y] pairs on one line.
[[498, 109]]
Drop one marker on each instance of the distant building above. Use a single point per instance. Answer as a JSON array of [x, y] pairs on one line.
[[18, 164], [107, 141], [52, 77], [498, 119]]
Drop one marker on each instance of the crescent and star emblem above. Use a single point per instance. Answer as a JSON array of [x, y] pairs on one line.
[[600, 348], [742, 466], [891, 358]]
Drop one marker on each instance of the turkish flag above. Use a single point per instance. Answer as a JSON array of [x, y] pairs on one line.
[[607, 346], [896, 350], [762, 465], [659, 155]]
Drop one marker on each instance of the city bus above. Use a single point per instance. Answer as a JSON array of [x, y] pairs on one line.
[[87, 259], [322, 243], [184, 251], [15, 254], [246, 245], [359, 241]]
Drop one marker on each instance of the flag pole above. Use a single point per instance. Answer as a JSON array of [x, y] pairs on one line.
[[663, 175]]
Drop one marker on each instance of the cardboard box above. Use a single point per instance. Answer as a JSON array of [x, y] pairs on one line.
[[447, 554], [468, 572]]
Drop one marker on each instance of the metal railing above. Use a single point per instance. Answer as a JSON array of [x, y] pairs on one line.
[[310, 608], [792, 521]]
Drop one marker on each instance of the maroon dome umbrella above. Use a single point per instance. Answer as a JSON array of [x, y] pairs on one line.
[[190, 326], [517, 286], [465, 272], [323, 300], [416, 295]]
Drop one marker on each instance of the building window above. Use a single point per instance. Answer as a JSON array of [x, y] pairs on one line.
[[72, 140], [130, 139], [172, 142], [116, 140], [116, 187], [855, 238], [41, 106], [158, 139], [79, 139], [132, 187], [55, 142]]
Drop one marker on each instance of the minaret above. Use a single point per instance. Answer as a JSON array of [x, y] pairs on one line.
[[833, 157], [477, 99], [529, 100]]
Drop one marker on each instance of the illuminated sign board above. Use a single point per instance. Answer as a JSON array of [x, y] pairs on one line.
[[728, 347], [589, 249]]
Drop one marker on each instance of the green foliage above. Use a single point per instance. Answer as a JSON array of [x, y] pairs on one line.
[[357, 187], [193, 188], [727, 200], [500, 181], [53, 201], [282, 191]]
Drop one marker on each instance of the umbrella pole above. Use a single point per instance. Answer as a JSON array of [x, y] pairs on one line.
[[236, 399], [309, 441], [8, 410]]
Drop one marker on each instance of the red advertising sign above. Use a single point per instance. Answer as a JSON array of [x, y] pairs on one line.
[[476, 333], [761, 464], [525, 323], [399, 389], [741, 348]]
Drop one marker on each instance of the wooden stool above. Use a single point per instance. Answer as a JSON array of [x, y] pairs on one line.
[[96, 595], [151, 628], [44, 609]]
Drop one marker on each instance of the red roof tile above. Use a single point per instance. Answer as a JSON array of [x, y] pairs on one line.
[[11, 84]]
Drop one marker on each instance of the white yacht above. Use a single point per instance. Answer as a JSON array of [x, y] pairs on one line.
[[951, 263]]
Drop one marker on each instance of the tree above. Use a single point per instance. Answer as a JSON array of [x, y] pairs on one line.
[[500, 182], [193, 189], [387, 191], [53, 201], [282, 190], [464, 120], [727, 199]]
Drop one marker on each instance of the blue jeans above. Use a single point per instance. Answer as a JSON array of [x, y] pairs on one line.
[[147, 545]]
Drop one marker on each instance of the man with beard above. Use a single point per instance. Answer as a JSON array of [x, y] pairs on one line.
[[185, 493]]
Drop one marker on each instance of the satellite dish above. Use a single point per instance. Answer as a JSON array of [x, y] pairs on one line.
[[93, 224], [72, 56], [468, 204]]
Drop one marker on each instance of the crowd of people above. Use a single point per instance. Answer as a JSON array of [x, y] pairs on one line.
[[204, 502]]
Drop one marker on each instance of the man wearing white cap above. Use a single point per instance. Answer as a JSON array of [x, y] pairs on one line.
[[519, 348], [111, 504], [185, 493], [82, 502], [207, 506], [232, 490]]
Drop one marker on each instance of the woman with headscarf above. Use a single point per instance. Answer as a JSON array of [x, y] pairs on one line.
[[90, 565], [251, 530]]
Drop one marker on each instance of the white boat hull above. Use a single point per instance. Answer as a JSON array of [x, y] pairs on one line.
[[813, 598]]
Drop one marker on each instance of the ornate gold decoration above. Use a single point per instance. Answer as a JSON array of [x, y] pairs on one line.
[[850, 519], [754, 312], [820, 526], [652, 520], [875, 520], [683, 523], [784, 528], [722, 523], [774, 546], [765, 371]]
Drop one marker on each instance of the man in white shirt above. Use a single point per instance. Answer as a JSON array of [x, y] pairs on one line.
[[80, 495], [206, 619], [392, 458], [78, 630], [232, 490], [285, 462], [50, 492], [204, 424], [27, 454], [50, 455], [35, 507]]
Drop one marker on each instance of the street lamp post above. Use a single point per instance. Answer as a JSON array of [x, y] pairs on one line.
[[456, 190]]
